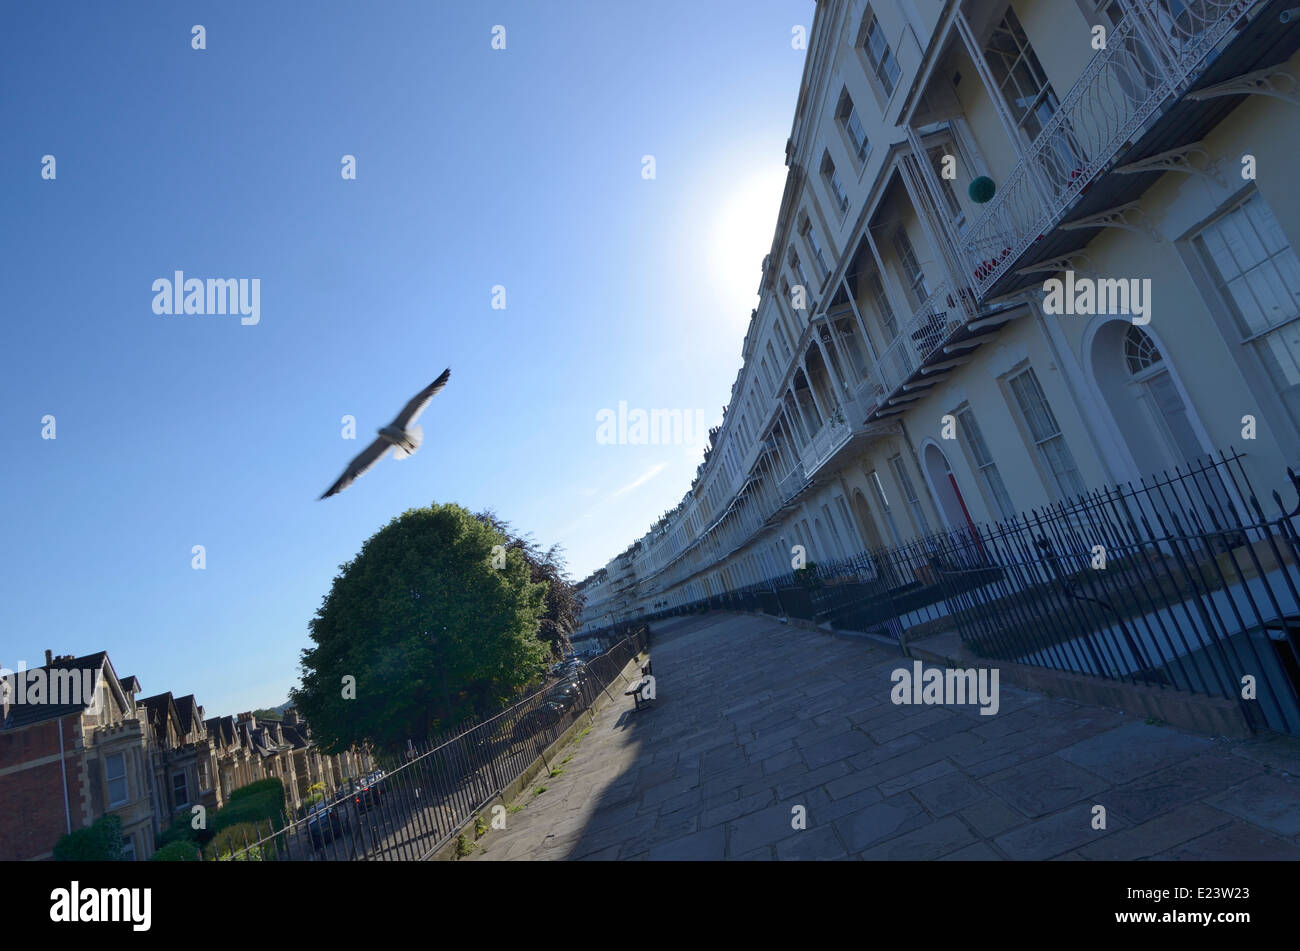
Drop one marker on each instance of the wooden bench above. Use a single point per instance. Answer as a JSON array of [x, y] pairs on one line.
[[634, 691]]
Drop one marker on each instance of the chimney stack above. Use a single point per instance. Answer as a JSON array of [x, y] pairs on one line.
[[49, 657]]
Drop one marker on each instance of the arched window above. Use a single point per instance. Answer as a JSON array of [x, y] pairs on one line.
[[1140, 351]]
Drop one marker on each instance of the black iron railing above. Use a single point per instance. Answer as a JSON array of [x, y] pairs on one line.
[[1181, 581], [427, 794]]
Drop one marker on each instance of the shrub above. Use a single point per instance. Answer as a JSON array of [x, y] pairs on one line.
[[181, 850], [259, 788], [256, 803], [101, 842], [807, 576], [231, 841], [179, 831]]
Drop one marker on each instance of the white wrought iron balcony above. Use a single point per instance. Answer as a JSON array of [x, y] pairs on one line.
[[1149, 55], [834, 433], [791, 483], [932, 323]]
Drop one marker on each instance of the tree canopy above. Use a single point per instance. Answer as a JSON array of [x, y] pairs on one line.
[[428, 625], [563, 601]]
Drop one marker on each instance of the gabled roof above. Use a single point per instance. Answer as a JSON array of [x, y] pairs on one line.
[[188, 709], [160, 710], [26, 714], [221, 729], [295, 735]]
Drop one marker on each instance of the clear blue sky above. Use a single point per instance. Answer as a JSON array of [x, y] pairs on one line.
[[475, 167]]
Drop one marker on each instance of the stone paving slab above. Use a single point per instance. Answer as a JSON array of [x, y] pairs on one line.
[[771, 742]]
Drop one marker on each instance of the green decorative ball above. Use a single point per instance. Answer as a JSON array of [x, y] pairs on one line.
[[982, 189]]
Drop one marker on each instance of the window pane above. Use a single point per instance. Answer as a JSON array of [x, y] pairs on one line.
[[1046, 433], [1256, 269]]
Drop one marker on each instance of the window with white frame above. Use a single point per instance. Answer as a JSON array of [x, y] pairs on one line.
[[1257, 274], [884, 311], [810, 235], [909, 493], [834, 185], [854, 543], [796, 266], [883, 64], [984, 463], [883, 498], [911, 267], [1029, 96], [851, 123], [936, 154], [128, 848], [785, 339], [836, 541], [857, 354], [1046, 433], [1020, 76], [115, 778]]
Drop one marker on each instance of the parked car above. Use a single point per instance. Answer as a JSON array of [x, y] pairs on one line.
[[546, 714], [367, 790], [325, 823], [565, 696]]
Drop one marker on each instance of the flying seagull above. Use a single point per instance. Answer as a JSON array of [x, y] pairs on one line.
[[402, 434]]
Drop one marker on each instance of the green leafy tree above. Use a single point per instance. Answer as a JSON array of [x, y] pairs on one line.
[[563, 600], [428, 627]]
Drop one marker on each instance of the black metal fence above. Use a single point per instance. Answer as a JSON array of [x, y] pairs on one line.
[[423, 797], [1181, 581]]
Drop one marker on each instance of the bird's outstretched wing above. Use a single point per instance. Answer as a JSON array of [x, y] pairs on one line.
[[417, 404], [357, 467]]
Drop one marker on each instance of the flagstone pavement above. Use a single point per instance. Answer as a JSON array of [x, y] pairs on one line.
[[754, 719]]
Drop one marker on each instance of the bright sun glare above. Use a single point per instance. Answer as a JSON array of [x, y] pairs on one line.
[[743, 235]]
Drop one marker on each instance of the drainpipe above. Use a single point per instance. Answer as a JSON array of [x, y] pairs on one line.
[[63, 768]]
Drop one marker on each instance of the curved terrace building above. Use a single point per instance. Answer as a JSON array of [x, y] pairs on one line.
[[1025, 251]]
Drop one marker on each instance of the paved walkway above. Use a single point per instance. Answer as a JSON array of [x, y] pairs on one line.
[[755, 718]]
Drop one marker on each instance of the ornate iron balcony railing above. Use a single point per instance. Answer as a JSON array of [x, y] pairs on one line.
[[1148, 57], [932, 323]]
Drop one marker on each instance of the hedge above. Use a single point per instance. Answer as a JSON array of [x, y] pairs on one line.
[[232, 841], [258, 802], [258, 788], [181, 830], [101, 842], [179, 851]]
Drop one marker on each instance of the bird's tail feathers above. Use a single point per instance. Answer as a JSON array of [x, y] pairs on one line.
[[416, 435]]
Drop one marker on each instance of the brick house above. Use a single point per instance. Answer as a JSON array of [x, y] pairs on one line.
[[65, 764], [76, 744]]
